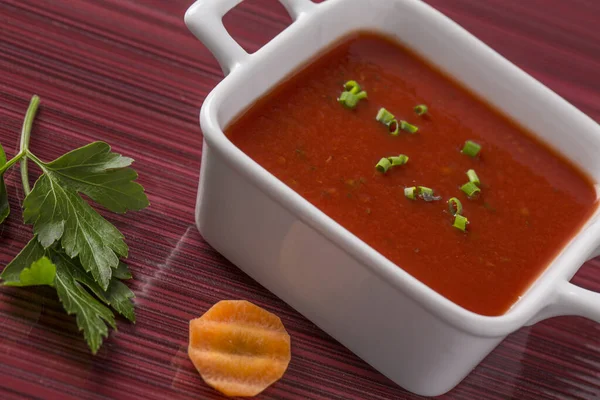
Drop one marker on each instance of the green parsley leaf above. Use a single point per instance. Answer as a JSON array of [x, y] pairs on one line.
[[71, 282], [92, 316], [32, 252], [120, 297], [122, 271], [74, 248], [75, 288], [57, 212], [4, 206], [41, 272], [100, 174]]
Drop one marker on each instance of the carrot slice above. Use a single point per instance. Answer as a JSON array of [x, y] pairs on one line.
[[239, 348]]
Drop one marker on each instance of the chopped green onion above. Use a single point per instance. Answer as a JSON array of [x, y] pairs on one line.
[[386, 163], [470, 189], [427, 194], [352, 87], [425, 190], [460, 222], [455, 206], [388, 119], [421, 109], [394, 127], [384, 116], [473, 177], [383, 165], [405, 126], [471, 148], [400, 160], [350, 100], [352, 95], [410, 192]]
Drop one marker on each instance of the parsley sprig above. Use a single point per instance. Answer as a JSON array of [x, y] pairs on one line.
[[74, 249]]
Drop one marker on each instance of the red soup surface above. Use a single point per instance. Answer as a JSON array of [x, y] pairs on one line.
[[532, 200]]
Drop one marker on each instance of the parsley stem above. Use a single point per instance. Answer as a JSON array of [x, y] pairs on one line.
[[25, 136], [11, 162], [36, 160]]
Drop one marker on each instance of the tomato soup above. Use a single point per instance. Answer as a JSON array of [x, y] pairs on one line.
[[531, 202]]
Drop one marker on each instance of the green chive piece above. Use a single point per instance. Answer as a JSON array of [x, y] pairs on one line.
[[384, 116], [421, 109], [383, 165], [350, 100], [427, 194], [471, 148], [460, 222], [351, 94], [410, 192], [387, 162], [388, 119], [405, 126], [473, 177], [394, 127], [425, 190], [455, 206], [470, 189], [361, 95], [400, 160], [352, 87]]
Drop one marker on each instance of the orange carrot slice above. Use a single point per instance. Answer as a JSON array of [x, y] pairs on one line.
[[239, 348]]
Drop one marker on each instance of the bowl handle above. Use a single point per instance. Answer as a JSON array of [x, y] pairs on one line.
[[571, 299], [574, 300], [204, 19]]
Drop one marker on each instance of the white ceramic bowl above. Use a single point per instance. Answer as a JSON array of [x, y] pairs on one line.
[[413, 335]]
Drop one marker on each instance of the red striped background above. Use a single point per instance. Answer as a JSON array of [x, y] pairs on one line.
[[129, 73]]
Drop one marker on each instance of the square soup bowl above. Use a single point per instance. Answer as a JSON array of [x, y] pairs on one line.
[[416, 337]]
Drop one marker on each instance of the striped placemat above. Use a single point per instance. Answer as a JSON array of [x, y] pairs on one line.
[[128, 72]]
